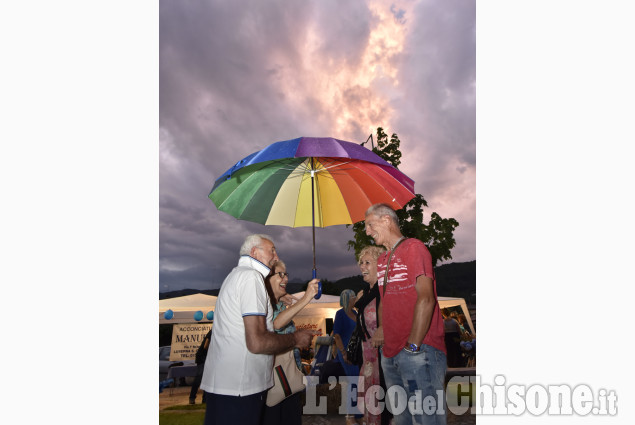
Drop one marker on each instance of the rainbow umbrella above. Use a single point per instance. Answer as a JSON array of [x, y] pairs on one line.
[[310, 181]]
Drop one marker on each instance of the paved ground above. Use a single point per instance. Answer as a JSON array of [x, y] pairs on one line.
[[179, 396]]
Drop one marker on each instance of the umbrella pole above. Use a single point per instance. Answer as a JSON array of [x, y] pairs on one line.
[[313, 216], [319, 294]]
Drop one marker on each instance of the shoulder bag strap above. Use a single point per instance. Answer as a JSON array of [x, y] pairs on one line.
[[388, 263], [361, 320]]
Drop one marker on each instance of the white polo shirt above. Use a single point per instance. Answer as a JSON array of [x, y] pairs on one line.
[[231, 369]]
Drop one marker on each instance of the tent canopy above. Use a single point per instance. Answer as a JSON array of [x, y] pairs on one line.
[[185, 307]]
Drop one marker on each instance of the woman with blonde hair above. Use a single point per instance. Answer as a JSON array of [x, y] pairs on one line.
[[367, 305]]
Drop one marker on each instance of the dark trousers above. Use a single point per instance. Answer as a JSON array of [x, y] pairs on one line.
[[227, 409], [453, 347], [331, 368], [287, 412], [334, 368], [386, 416], [197, 381]]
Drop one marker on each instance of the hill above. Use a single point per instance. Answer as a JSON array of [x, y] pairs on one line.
[[457, 280]]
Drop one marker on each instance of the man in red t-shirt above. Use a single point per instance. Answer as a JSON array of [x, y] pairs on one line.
[[410, 331]]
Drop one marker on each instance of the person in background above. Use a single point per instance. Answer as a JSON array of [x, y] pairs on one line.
[[413, 354], [452, 331], [289, 410], [201, 354], [239, 365], [343, 327], [366, 305], [465, 329]]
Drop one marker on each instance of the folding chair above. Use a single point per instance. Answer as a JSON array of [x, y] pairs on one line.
[[323, 352]]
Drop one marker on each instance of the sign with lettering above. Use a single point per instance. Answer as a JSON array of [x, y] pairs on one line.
[[315, 323], [186, 338]]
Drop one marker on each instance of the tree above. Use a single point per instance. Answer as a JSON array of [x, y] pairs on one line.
[[437, 235]]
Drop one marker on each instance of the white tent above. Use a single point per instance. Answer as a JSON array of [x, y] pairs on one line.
[[460, 302], [185, 307]]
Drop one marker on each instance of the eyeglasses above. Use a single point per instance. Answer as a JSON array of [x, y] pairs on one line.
[[282, 274]]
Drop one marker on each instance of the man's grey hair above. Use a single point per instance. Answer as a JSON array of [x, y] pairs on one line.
[[383, 209], [252, 241]]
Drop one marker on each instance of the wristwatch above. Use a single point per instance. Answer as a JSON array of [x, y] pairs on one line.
[[414, 348]]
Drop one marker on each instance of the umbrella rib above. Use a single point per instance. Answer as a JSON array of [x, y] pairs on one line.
[[325, 166], [304, 167]]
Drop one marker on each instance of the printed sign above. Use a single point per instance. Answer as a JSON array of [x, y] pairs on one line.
[[315, 323], [186, 338]]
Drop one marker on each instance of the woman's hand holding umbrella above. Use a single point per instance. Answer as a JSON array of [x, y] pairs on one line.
[[312, 288]]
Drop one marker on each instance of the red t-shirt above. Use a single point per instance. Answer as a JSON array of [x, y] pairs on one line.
[[411, 259]]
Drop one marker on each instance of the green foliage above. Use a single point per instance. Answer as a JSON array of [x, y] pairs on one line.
[[437, 235], [388, 150]]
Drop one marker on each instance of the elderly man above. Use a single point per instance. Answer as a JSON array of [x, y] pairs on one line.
[[238, 368], [411, 326]]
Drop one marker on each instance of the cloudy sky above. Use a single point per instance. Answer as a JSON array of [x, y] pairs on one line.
[[81, 121], [237, 76]]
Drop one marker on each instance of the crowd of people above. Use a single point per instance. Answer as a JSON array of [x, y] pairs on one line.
[[405, 343]]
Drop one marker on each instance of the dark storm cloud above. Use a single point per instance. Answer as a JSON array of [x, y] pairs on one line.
[[237, 76], [439, 70]]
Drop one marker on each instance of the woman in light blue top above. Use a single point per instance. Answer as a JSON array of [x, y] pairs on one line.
[[289, 410]]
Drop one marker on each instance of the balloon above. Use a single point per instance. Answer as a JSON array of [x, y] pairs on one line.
[[168, 314], [210, 315], [198, 315]]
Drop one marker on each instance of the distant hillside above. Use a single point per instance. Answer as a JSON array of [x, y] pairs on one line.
[[184, 292], [457, 280], [453, 280], [356, 283]]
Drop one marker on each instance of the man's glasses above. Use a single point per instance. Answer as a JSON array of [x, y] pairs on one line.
[[282, 274]]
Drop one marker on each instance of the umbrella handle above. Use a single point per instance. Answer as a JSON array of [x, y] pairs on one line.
[[319, 294]]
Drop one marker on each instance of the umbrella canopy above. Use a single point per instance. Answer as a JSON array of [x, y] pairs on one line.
[[310, 181]]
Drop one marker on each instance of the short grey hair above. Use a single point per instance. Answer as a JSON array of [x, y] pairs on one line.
[[252, 241], [383, 209]]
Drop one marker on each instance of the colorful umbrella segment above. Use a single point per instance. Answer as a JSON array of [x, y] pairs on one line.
[[310, 181]]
